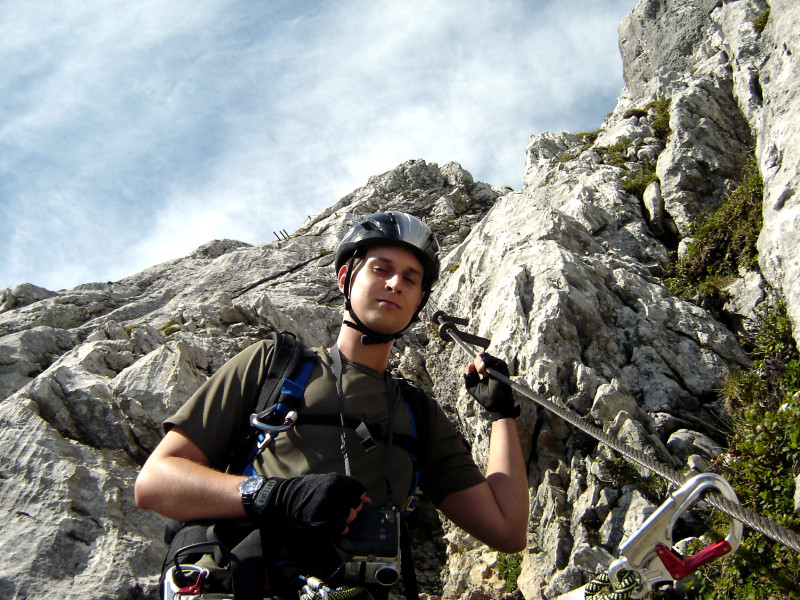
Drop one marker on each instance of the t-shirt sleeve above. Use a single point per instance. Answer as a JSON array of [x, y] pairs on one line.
[[213, 417], [449, 466]]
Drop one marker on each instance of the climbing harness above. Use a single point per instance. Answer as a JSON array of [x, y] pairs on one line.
[[648, 554], [276, 410]]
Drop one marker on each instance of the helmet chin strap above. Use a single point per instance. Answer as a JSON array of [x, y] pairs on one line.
[[370, 336]]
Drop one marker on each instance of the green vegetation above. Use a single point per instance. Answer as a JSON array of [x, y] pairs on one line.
[[724, 242], [634, 112], [616, 154], [590, 137], [170, 327], [587, 138], [623, 473], [761, 20], [568, 156], [763, 404], [637, 183], [509, 567], [762, 461], [660, 123]]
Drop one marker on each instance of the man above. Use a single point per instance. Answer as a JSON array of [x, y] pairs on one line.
[[318, 478]]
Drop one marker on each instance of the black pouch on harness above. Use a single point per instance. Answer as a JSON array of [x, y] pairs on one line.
[[237, 559], [219, 557]]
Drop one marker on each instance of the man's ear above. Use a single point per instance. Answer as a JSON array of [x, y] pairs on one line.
[[421, 298], [342, 275]]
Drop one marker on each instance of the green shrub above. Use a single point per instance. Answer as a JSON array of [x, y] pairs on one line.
[[634, 112], [761, 20], [616, 154], [762, 461], [590, 137], [637, 183], [763, 403], [509, 566], [170, 327], [724, 240], [660, 122]]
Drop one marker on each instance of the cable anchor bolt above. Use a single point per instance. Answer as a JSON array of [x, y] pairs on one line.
[[447, 325]]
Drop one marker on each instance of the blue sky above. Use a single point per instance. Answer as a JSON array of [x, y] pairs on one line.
[[133, 132]]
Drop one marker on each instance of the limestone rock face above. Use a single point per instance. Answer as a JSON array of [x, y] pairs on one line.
[[562, 275]]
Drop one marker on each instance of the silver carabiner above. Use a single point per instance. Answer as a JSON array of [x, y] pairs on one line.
[[288, 420], [172, 590], [649, 553]]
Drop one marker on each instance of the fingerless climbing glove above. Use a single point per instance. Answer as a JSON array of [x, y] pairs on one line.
[[316, 501], [495, 396]]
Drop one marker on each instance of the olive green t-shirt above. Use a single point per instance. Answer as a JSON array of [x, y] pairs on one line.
[[212, 418]]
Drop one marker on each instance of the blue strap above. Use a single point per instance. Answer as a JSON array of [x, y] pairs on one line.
[[293, 388], [412, 492], [297, 388]]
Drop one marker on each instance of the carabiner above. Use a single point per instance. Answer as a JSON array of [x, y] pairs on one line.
[[313, 587], [649, 553], [287, 420]]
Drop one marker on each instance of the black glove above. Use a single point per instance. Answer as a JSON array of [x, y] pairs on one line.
[[316, 501], [495, 396]]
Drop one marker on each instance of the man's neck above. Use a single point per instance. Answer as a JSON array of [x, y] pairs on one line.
[[374, 356]]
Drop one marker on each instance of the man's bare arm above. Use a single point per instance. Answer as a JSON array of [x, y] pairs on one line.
[[177, 482], [496, 512]]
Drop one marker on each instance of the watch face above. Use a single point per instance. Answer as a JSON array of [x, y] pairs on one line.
[[251, 485]]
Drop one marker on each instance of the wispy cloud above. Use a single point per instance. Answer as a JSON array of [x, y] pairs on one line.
[[130, 133]]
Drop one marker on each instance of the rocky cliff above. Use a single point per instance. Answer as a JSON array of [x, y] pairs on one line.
[[563, 275]]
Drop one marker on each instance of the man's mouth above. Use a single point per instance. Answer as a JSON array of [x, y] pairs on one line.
[[385, 301]]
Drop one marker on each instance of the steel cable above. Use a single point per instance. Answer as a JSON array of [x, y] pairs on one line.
[[763, 525]]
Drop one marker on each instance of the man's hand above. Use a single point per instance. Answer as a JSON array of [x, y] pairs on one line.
[[495, 396], [329, 502]]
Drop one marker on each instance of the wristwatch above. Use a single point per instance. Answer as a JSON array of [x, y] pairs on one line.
[[255, 491], [249, 488]]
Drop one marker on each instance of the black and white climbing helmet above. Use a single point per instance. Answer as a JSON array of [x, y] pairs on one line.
[[391, 228]]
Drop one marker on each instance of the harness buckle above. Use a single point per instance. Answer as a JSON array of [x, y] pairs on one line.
[[649, 553]]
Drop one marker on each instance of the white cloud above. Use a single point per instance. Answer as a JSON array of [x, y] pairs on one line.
[[131, 133]]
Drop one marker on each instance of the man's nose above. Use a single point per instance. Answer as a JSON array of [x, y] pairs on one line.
[[393, 282]]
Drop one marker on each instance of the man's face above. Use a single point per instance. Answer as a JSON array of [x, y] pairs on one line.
[[386, 289]]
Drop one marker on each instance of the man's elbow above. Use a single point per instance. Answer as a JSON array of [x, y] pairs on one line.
[[512, 543], [144, 490]]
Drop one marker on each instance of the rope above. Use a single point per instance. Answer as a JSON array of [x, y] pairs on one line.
[[767, 527], [627, 581], [340, 593]]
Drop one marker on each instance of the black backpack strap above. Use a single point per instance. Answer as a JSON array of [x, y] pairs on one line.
[[287, 354], [407, 570]]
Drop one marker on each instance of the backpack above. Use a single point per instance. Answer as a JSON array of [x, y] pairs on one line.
[[236, 543]]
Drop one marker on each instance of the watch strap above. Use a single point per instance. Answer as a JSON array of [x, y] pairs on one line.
[[265, 493]]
